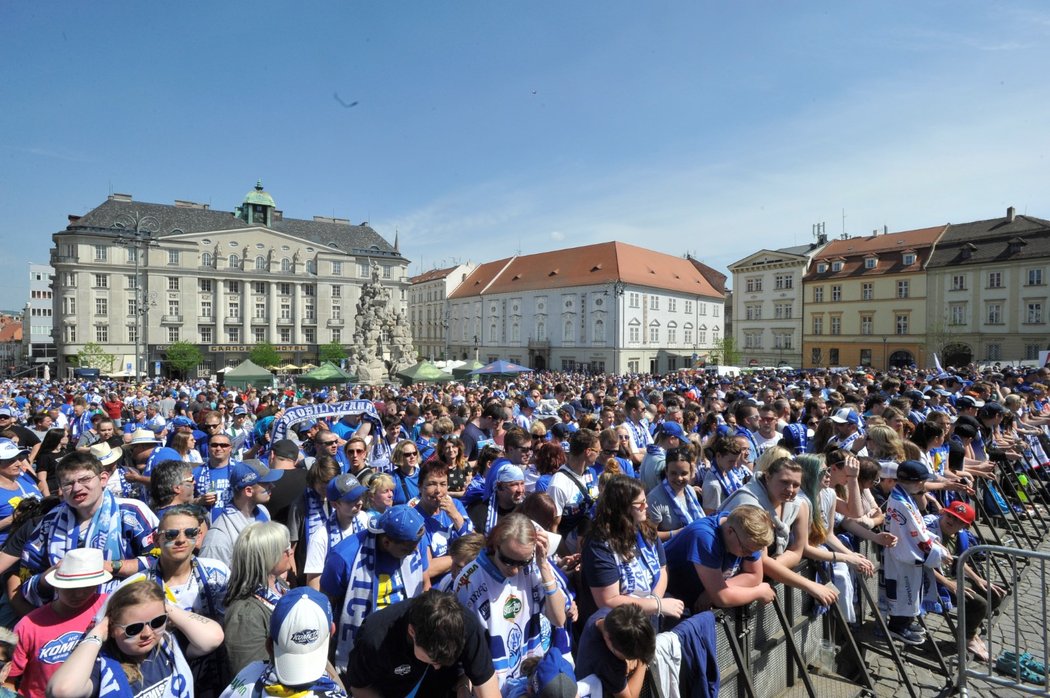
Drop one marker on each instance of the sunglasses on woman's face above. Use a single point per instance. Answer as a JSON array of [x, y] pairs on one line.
[[134, 629], [511, 562]]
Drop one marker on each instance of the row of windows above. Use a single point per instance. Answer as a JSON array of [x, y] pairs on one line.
[[993, 314], [901, 323], [781, 340], [867, 291], [634, 300], [235, 262], [872, 262], [233, 309], [781, 311], [996, 279], [104, 334], [781, 282]]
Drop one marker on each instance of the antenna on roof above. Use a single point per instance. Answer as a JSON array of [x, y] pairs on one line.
[[843, 224]]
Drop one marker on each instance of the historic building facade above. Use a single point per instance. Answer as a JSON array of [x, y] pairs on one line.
[[988, 290], [606, 307], [865, 301], [428, 310], [135, 277], [767, 304]]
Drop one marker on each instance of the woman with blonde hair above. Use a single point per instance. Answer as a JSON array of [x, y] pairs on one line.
[[884, 443], [262, 556], [380, 494], [130, 652]]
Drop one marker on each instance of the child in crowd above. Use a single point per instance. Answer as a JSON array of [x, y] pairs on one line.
[[916, 553]]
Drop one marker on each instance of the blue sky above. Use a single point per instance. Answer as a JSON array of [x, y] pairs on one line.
[[482, 128]]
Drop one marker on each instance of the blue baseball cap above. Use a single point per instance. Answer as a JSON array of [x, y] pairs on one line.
[[252, 472], [345, 488], [181, 421], [401, 522], [671, 429], [554, 677]]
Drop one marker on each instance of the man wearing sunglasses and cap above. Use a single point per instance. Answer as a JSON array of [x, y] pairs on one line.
[[251, 483], [373, 569]]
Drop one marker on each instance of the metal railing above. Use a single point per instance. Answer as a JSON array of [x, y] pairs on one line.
[[1023, 659]]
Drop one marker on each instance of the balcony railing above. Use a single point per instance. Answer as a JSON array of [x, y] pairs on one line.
[[170, 319], [334, 322]]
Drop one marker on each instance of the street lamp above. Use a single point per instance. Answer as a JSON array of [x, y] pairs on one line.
[[618, 288], [475, 347], [885, 356], [137, 235]]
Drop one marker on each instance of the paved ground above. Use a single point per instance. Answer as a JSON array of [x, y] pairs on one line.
[[1020, 623]]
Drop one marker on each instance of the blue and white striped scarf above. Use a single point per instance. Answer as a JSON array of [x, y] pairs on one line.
[[693, 510], [103, 533]]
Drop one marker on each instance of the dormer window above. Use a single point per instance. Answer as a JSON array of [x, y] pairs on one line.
[[836, 266], [871, 262], [821, 268], [909, 259]]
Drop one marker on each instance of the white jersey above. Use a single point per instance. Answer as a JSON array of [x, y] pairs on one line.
[[510, 609]]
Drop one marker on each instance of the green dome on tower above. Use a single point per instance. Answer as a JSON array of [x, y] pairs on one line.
[[258, 196]]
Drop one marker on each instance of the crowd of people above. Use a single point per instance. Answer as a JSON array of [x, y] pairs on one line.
[[556, 534]]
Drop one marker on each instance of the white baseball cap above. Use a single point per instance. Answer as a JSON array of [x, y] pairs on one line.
[[300, 628]]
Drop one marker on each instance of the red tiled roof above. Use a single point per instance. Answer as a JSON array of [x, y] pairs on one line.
[[11, 332], [889, 249], [602, 263], [431, 275]]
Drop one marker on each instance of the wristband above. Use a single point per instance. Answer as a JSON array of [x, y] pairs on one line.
[[552, 591], [550, 585], [90, 640], [834, 557]]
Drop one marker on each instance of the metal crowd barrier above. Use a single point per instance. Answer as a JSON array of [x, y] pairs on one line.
[[1017, 644]]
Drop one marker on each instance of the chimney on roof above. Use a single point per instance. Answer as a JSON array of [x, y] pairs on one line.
[[120, 197], [885, 230], [180, 203], [1011, 214]]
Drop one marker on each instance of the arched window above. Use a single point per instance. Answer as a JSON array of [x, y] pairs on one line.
[[598, 335], [311, 266], [260, 263], [541, 330], [286, 265], [235, 262], [492, 332], [569, 331], [206, 260]]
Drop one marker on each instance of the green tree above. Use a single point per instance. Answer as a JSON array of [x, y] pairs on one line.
[[265, 355], [725, 352], [184, 357], [94, 356], [333, 351]]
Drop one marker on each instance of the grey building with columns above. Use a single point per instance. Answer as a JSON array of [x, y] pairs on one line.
[[136, 277]]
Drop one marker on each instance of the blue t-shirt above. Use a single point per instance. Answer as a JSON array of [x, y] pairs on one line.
[[406, 487], [593, 656], [637, 576], [699, 543], [208, 479]]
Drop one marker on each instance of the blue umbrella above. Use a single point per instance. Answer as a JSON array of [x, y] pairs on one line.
[[499, 367]]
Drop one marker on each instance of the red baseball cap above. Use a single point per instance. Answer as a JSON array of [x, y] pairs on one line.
[[962, 511]]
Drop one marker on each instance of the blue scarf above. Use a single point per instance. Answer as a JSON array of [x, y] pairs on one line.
[[114, 682], [268, 596], [104, 531], [315, 516], [694, 510], [335, 531]]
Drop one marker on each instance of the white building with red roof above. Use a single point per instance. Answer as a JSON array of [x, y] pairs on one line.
[[609, 307]]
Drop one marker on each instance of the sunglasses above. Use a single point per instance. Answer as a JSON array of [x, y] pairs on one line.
[[134, 629], [329, 443], [171, 534], [511, 562], [215, 445]]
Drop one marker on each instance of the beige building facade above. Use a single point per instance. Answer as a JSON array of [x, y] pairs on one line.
[[135, 277]]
